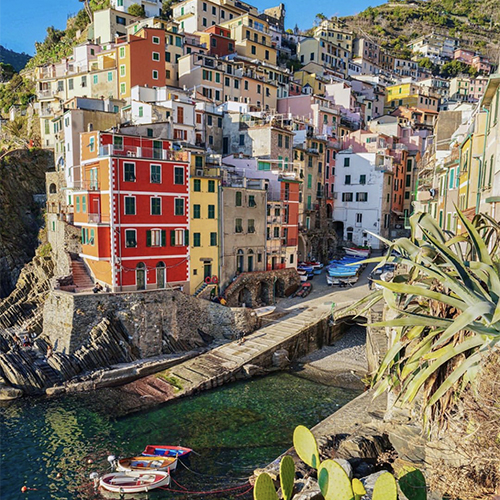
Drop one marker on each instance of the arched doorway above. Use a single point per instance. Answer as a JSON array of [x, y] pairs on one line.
[[245, 297], [52, 189], [349, 233], [239, 261], [279, 288], [140, 276], [329, 212], [264, 293], [250, 261], [160, 275]]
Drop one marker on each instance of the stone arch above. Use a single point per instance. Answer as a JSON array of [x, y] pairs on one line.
[[265, 293], [52, 188], [245, 297], [279, 288]]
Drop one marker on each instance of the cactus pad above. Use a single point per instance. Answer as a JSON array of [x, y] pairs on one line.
[[306, 446], [385, 488], [333, 481], [412, 484], [287, 477], [264, 488], [358, 489]]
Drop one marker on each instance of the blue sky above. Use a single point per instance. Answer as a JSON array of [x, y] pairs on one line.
[[20, 28]]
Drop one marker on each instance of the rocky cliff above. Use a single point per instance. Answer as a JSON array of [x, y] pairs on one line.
[[22, 190]]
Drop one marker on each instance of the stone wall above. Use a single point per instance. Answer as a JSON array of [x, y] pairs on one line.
[[260, 288], [152, 319]]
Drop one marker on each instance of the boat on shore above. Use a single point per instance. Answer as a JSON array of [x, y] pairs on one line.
[[264, 311], [153, 450], [357, 252], [143, 463], [134, 482], [341, 281]]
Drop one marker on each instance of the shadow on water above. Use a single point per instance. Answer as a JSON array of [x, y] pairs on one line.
[[233, 430]]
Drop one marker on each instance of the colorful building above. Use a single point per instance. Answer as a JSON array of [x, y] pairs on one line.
[[132, 205]]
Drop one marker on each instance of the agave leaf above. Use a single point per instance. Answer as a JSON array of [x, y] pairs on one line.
[[381, 238], [415, 320], [451, 351], [428, 224], [381, 386], [477, 241], [415, 358], [368, 301], [450, 381], [390, 355]]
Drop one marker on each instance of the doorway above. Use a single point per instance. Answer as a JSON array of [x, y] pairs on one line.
[[140, 272]]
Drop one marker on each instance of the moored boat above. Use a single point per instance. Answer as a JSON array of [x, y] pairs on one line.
[[153, 450], [143, 463], [357, 252], [134, 482]]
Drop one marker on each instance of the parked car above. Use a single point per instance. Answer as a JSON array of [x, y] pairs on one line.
[[384, 273]]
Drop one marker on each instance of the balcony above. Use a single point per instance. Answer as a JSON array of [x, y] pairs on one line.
[[98, 218], [46, 94], [87, 185], [138, 152], [46, 111]]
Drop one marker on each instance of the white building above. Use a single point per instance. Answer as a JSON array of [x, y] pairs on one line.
[[152, 8], [362, 192]]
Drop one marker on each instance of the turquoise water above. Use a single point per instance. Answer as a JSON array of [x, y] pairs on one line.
[[233, 430]]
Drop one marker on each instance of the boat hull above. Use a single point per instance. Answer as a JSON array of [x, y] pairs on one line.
[[332, 280], [134, 482], [144, 463], [355, 252], [166, 451]]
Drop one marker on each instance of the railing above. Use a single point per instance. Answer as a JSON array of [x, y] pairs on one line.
[[139, 152], [98, 218], [45, 94], [257, 28], [87, 185], [46, 111]]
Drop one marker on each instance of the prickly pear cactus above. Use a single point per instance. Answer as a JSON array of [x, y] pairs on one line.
[[412, 484], [385, 488], [306, 446], [333, 482], [358, 489], [287, 477], [264, 488]]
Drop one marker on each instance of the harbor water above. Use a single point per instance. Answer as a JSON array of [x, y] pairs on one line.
[[52, 445]]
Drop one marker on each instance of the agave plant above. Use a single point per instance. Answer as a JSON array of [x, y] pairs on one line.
[[444, 304]]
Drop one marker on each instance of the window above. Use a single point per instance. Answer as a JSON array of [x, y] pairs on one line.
[[179, 206], [211, 186], [276, 232], [129, 205], [346, 196], [347, 162], [84, 81], [359, 218], [110, 76], [92, 144], [209, 120], [408, 181], [347, 180], [251, 226], [122, 88], [238, 226], [251, 201], [121, 20], [122, 52], [156, 206], [238, 199], [70, 84], [204, 21], [122, 70], [156, 56], [84, 204], [155, 75], [156, 40], [197, 239], [407, 195], [179, 237], [167, 57], [211, 211], [266, 56], [362, 179], [155, 174], [197, 185], [77, 202], [280, 140], [129, 172], [242, 139], [213, 239], [95, 79], [156, 238], [178, 175], [361, 196], [309, 181], [196, 211], [178, 41], [141, 111], [130, 238], [254, 50]]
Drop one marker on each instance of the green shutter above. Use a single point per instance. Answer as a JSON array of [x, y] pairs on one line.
[[148, 238], [83, 235], [186, 237], [163, 238], [172, 238]]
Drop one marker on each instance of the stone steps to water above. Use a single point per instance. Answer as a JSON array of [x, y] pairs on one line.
[[81, 277]]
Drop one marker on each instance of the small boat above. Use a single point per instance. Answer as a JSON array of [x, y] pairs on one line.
[[341, 281], [146, 463], [153, 450], [357, 252], [302, 274], [264, 311], [134, 482], [304, 290], [342, 273]]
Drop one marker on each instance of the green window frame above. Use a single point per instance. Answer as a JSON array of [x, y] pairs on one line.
[[213, 239], [196, 211], [77, 202], [238, 199], [179, 206], [197, 185], [129, 172], [196, 239], [178, 175], [155, 205], [130, 238], [129, 205], [211, 211], [155, 171], [84, 204], [211, 186]]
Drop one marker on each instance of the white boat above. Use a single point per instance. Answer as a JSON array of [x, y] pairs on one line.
[[143, 464], [264, 311], [357, 252], [337, 280], [134, 482]]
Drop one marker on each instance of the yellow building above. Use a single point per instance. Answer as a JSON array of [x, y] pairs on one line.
[[314, 80], [410, 96], [252, 38], [204, 220]]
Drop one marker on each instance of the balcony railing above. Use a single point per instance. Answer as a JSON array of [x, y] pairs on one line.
[[45, 94], [98, 218], [139, 152], [87, 185]]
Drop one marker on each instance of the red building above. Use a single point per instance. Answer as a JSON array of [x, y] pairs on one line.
[[290, 193], [218, 41], [133, 205]]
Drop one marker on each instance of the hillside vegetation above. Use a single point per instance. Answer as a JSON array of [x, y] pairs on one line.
[[476, 23], [16, 59]]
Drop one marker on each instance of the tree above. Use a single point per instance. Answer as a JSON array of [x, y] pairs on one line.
[[166, 8], [136, 10]]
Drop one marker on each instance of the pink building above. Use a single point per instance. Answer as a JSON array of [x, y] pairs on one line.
[[463, 55]]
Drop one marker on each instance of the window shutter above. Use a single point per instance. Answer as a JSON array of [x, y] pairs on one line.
[[148, 238], [172, 238], [186, 237], [163, 238], [83, 235]]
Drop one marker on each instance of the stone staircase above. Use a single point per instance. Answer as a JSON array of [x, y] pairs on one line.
[[81, 277]]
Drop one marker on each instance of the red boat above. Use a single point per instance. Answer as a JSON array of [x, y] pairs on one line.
[[304, 290], [153, 450]]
